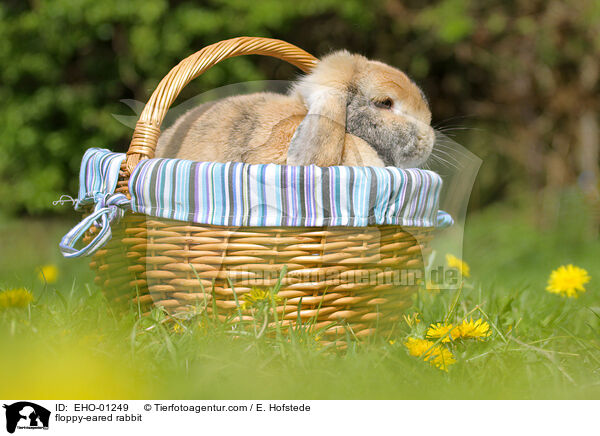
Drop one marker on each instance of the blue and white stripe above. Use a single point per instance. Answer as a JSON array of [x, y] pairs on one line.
[[239, 194], [98, 175]]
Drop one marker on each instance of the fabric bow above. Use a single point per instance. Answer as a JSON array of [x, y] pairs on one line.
[[109, 208]]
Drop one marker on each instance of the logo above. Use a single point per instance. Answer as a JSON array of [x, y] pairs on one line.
[[26, 415]]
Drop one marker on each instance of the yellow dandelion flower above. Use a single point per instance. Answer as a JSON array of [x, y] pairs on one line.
[[392, 341], [437, 356], [48, 273], [417, 347], [256, 297], [439, 330], [474, 329], [441, 358], [459, 264], [568, 281], [15, 298]]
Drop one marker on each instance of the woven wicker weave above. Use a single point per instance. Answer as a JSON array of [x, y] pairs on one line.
[[342, 279]]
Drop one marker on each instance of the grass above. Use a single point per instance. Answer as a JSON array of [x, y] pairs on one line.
[[71, 343]]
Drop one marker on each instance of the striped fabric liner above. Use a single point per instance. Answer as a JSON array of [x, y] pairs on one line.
[[98, 175], [238, 194]]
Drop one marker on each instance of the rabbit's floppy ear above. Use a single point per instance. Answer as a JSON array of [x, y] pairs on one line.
[[319, 139]]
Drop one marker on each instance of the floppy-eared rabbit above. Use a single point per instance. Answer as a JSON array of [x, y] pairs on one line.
[[348, 111]]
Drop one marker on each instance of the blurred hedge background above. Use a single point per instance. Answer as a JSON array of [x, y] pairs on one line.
[[515, 81]]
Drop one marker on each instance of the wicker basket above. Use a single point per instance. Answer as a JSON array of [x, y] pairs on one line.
[[341, 279]]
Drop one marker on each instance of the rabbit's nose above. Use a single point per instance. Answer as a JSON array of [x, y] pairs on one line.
[[425, 134]]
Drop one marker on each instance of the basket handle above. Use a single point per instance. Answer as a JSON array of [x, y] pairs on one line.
[[147, 129]]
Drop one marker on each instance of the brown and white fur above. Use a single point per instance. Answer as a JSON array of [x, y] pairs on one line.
[[348, 111]]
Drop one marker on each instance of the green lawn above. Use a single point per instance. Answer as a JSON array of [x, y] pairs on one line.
[[70, 343]]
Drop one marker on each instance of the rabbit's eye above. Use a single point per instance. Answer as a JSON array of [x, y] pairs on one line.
[[384, 104]]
